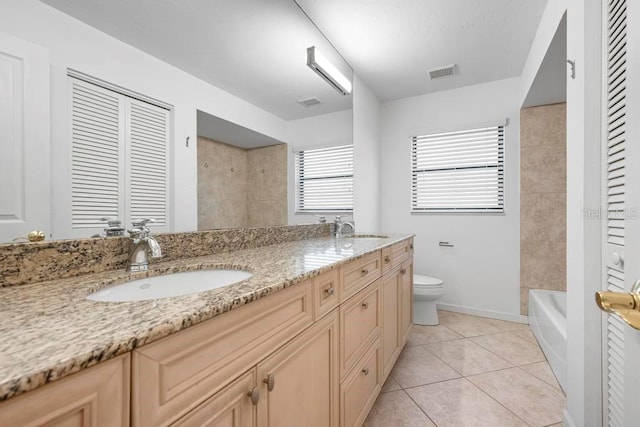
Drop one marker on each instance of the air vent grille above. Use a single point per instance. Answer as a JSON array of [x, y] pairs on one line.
[[444, 71], [310, 102]]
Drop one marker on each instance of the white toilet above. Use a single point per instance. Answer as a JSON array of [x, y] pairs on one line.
[[426, 290]]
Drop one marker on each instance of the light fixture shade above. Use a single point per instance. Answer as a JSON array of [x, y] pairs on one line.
[[325, 69]]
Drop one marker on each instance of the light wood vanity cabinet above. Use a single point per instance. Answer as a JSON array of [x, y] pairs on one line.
[[314, 354], [95, 397], [299, 384], [397, 296], [172, 376]]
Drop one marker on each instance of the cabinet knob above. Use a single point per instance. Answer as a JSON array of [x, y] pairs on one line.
[[254, 395], [270, 381], [365, 305], [411, 246], [364, 271], [403, 271], [365, 371], [329, 291], [387, 260]]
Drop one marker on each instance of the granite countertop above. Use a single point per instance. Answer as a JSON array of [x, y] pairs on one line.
[[50, 330]]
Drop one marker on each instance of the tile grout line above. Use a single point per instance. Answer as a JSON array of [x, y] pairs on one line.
[[463, 378], [419, 407]]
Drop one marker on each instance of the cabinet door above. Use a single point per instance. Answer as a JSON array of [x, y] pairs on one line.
[[299, 384], [406, 301], [95, 397], [390, 324], [230, 407]]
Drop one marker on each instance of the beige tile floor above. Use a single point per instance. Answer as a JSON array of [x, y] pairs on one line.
[[469, 371]]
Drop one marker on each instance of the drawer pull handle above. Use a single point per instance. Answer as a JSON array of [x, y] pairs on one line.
[[329, 291], [364, 272], [254, 395], [365, 371], [387, 260], [270, 381], [403, 271], [365, 305]]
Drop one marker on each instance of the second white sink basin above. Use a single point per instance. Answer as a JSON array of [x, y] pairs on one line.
[[170, 285]]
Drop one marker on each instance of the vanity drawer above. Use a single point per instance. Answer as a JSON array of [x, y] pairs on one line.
[[325, 293], [359, 273], [360, 325], [359, 391], [400, 252], [174, 375], [386, 259]]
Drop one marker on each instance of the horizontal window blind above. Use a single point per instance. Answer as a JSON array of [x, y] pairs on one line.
[[461, 171], [324, 179]]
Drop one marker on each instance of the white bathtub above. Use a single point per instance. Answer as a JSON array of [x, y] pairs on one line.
[[548, 321]]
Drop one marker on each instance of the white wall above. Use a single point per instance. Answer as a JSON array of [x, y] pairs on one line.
[[326, 130], [551, 17], [366, 147], [482, 272], [75, 45]]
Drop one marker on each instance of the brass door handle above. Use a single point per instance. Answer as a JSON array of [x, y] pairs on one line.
[[623, 304], [330, 291]]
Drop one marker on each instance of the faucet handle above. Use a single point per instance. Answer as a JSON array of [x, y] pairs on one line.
[[339, 218], [142, 222]]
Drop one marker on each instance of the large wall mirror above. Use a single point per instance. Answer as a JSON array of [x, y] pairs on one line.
[[237, 168]]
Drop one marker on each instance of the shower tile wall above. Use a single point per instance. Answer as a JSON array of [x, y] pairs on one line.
[[543, 191], [241, 188]]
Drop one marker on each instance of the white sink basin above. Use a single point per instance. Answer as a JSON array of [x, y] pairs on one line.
[[170, 285]]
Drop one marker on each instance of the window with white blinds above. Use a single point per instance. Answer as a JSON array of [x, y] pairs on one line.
[[119, 159], [461, 171], [324, 179]]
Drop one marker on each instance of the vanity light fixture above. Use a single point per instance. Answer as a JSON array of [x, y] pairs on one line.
[[325, 69]]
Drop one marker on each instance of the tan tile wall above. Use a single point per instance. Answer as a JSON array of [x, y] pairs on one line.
[[241, 188], [543, 191], [267, 186]]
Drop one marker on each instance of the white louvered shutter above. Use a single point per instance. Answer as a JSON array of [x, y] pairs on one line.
[[324, 179], [615, 122], [461, 171], [119, 159], [147, 143], [97, 117]]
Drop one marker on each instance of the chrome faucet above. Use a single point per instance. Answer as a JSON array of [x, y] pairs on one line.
[[341, 225], [142, 246]]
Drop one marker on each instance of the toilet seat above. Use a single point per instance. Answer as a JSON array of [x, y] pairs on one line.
[[420, 281]]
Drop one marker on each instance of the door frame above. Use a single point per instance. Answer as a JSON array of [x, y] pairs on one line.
[[584, 231]]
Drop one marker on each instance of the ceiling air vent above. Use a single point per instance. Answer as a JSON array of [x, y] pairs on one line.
[[446, 70], [310, 102]]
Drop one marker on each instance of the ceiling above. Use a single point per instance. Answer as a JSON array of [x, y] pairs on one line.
[[392, 43], [255, 49]]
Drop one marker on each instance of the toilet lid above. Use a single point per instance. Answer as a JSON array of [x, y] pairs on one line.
[[426, 281]]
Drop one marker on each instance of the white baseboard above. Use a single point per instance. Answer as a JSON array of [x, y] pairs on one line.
[[483, 313]]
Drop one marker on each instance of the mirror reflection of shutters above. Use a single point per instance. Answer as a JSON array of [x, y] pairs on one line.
[[96, 155], [147, 133], [119, 159]]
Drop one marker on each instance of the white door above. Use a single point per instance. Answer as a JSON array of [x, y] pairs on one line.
[[24, 139], [621, 243]]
